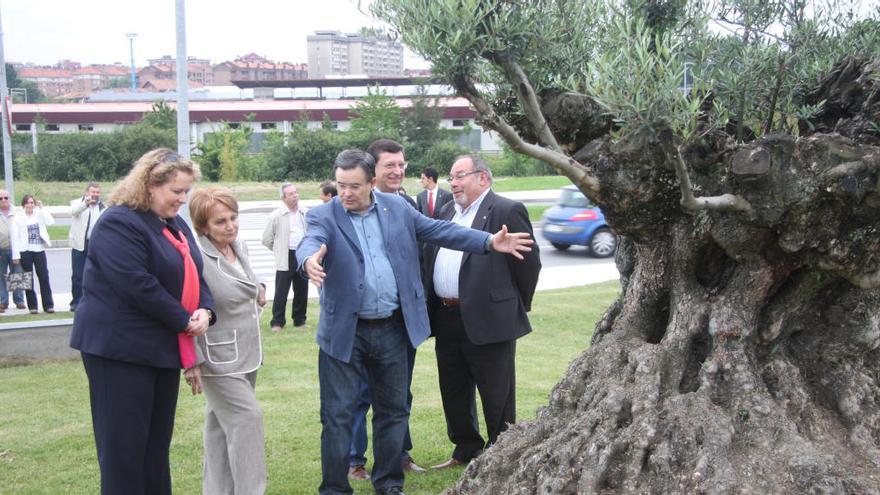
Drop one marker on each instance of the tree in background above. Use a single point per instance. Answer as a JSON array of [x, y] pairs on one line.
[[161, 116], [376, 116], [734, 145]]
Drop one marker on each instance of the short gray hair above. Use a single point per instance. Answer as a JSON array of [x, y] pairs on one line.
[[283, 187], [479, 164]]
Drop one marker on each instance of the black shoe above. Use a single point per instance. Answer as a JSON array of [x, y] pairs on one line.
[[299, 323], [393, 490]]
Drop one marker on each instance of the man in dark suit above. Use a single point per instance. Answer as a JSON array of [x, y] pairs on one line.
[[432, 199], [362, 249], [478, 308]]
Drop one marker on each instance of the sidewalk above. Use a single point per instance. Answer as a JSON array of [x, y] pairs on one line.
[[540, 196]]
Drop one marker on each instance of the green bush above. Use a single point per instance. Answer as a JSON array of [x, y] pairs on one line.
[[441, 156], [94, 156]]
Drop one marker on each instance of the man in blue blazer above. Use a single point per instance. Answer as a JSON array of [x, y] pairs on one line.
[[371, 309]]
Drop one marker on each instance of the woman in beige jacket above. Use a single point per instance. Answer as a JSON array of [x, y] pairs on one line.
[[230, 352]]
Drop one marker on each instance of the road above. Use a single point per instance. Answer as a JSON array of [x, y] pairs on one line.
[[560, 268]]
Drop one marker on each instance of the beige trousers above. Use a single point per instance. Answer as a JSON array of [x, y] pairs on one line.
[[235, 457]]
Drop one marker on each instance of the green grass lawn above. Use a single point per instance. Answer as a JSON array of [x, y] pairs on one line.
[[61, 193], [46, 443]]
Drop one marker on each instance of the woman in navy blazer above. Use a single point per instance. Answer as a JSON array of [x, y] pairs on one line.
[[128, 320]]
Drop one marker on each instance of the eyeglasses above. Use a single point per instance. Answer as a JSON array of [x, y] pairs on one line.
[[461, 175], [4, 197]]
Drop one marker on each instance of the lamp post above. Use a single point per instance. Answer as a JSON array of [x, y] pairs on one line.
[[4, 106], [131, 37]]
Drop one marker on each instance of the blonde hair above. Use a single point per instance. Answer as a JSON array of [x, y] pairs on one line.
[[203, 202], [155, 168]]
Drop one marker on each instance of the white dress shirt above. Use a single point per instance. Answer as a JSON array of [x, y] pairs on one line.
[[448, 262], [297, 229]]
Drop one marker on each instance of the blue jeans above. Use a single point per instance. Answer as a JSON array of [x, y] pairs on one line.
[[6, 265], [359, 427], [379, 354]]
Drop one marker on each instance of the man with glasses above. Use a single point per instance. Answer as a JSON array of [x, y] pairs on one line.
[[7, 216], [362, 249], [478, 306], [284, 229], [390, 171]]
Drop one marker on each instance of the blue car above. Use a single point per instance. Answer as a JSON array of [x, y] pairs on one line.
[[574, 220]]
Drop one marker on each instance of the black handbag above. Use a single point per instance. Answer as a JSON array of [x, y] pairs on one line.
[[20, 281]]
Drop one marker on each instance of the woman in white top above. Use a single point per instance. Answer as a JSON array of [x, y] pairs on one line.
[[31, 241]]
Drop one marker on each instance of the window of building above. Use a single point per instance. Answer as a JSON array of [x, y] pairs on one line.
[[459, 122], [23, 127], [267, 125], [52, 128], [234, 125], [86, 127]]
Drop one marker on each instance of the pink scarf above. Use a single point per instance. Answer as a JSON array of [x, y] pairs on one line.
[[189, 298]]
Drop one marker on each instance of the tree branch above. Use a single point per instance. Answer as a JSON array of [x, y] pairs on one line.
[[527, 98], [725, 202], [563, 163]]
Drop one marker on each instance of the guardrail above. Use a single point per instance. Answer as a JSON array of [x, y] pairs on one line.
[[42, 339]]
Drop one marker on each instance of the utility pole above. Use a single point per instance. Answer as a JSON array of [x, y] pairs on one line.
[[182, 83], [7, 144], [131, 37], [182, 93]]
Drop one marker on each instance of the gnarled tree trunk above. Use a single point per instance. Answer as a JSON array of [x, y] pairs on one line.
[[742, 355]]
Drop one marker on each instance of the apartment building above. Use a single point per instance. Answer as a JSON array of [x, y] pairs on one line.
[[252, 67], [331, 53]]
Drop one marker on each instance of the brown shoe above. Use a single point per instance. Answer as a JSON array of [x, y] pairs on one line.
[[50, 310], [34, 311], [20, 306], [452, 462], [358, 472], [410, 466], [4, 307]]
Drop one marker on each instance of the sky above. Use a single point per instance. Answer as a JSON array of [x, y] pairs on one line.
[[94, 31]]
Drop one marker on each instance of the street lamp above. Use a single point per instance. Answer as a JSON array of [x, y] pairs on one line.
[[131, 37]]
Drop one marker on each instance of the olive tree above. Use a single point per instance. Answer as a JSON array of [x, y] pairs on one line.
[[735, 147]]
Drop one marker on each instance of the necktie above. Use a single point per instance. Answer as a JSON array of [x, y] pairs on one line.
[[430, 203]]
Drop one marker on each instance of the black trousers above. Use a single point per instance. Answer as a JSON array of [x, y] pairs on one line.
[[133, 419], [465, 367], [36, 261], [283, 281]]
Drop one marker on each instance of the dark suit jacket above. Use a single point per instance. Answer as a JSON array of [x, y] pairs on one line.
[[130, 309], [402, 229], [495, 290], [443, 197]]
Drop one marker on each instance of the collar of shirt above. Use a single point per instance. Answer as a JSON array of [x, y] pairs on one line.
[[471, 210]]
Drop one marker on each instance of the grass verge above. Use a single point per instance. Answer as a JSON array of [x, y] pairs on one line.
[[61, 193], [46, 443]]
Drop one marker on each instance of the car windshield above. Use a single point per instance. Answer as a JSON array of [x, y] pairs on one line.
[[573, 198]]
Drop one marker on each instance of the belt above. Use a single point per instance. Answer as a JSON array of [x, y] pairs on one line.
[[379, 321], [450, 302]]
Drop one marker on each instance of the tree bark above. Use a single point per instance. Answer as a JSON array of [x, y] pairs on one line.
[[743, 355]]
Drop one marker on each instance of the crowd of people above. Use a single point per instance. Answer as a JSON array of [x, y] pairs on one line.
[[153, 296]]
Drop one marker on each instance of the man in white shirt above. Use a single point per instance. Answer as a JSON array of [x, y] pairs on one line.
[[84, 213], [285, 228], [478, 306], [7, 216]]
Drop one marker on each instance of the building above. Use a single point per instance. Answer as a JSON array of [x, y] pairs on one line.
[[198, 71], [252, 67], [68, 79], [331, 53], [263, 116]]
